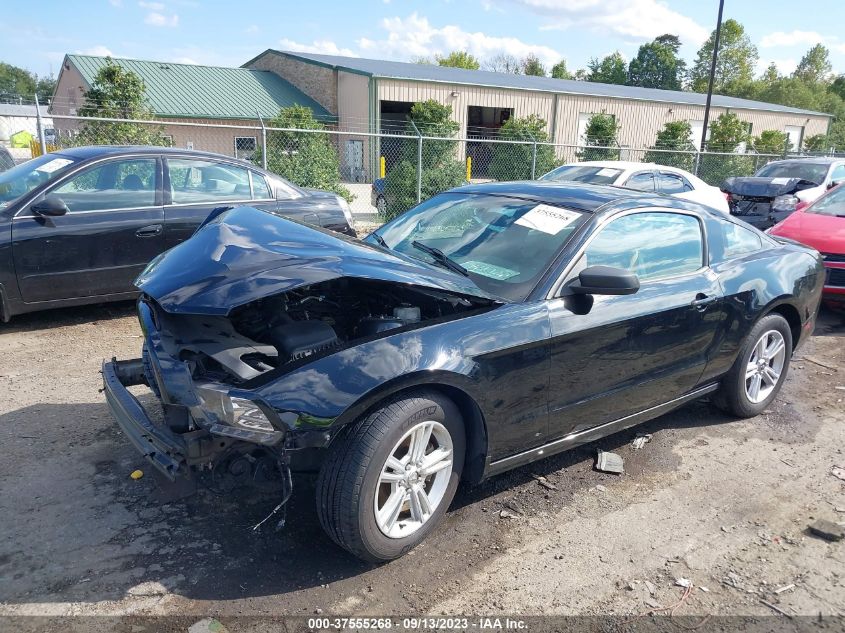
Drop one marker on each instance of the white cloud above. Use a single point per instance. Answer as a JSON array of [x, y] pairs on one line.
[[99, 51], [152, 6], [415, 36], [155, 18], [116, 3], [785, 66], [792, 38], [324, 47], [638, 19]]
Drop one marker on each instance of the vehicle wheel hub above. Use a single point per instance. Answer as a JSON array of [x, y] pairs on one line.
[[765, 366], [413, 479]]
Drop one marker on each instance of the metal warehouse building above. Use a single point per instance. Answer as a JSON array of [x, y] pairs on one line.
[[367, 94]]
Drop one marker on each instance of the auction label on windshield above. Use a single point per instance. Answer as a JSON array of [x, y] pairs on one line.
[[548, 219]]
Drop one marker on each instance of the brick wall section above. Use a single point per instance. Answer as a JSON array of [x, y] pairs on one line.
[[317, 82]]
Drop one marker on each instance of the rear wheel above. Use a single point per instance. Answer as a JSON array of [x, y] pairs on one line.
[[389, 478], [760, 369]]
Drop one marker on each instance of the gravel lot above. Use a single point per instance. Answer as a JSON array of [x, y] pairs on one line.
[[720, 502]]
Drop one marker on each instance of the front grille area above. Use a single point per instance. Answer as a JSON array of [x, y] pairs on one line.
[[836, 277], [833, 257]]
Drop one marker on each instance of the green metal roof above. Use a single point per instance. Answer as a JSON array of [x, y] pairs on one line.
[[208, 92]]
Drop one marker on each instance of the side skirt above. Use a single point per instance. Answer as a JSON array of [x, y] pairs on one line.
[[588, 435]]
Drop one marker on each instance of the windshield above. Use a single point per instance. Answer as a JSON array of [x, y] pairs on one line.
[[503, 244], [831, 204], [20, 180], [583, 173], [814, 172]]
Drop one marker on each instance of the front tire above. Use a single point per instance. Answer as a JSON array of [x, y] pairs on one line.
[[389, 478], [760, 369]]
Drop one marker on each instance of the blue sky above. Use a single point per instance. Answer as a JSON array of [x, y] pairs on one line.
[[36, 35]]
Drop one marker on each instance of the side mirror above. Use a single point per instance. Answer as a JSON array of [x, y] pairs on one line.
[[50, 205], [835, 183], [605, 280]]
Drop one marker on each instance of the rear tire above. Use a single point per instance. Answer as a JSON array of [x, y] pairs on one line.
[[389, 478], [760, 369]]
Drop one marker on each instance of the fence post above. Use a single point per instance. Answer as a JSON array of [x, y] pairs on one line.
[[263, 141], [534, 160], [40, 125], [697, 161], [419, 161], [786, 146]]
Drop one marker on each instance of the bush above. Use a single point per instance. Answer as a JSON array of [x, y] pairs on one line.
[[602, 130], [307, 159], [440, 169], [512, 161], [772, 142], [675, 135]]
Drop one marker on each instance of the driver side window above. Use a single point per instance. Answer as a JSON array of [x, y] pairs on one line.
[[120, 184], [652, 245]]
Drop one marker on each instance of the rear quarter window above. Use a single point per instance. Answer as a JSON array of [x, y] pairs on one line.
[[738, 240]]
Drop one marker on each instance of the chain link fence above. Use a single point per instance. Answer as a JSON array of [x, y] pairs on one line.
[[382, 173]]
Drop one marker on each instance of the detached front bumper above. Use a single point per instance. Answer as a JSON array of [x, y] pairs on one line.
[[163, 448]]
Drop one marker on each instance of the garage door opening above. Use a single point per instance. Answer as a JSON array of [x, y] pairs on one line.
[[483, 123], [393, 117]]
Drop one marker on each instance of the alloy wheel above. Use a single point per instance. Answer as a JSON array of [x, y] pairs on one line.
[[765, 366], [413, 479]]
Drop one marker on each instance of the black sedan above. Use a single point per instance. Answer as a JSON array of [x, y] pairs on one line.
[[488, 327], [77, 226]]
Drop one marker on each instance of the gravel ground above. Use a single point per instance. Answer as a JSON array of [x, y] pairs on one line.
[[722, 503]]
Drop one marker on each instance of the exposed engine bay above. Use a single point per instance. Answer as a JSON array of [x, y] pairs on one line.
[[307, 321]]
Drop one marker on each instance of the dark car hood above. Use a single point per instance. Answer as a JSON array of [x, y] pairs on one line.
[[246, 254], [757, 187]]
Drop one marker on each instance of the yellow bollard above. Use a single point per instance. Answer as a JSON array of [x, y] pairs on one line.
[[469, 168], [382, 167]]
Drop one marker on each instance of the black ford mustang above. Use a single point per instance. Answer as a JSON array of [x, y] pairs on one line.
[[490, 326], [77, 226]]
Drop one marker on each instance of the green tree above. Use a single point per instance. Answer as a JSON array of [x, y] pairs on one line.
[[837, 86], [559, 70], [772, 142], [816, 143], [601, 138], [531, 66], [307, 159], [727, 133], [458, 59], [16, 82], [735, 63], [512, 161], [117, 93], [440, 169], [673, 146], [771, 75], [657, 65], [609, 70], [814, 65]]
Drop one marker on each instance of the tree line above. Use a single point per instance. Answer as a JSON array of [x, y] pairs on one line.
[[658, 64]]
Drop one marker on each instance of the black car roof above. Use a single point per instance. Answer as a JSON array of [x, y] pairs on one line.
[[581, 196], [97, 151]]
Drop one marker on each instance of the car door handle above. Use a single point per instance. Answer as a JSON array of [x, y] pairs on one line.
[[701, 301], [149, 231]]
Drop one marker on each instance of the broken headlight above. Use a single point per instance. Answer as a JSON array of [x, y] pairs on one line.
[[784, 203], [347, 212], [234, 411]]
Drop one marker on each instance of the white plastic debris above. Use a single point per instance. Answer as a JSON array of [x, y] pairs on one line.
[[610, 463], [683, 582]]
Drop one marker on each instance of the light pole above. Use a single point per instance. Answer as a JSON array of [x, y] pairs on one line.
[[712, 76]]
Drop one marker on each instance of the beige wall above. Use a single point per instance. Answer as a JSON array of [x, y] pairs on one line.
[[317, 82], [640, 120], [69, 90]]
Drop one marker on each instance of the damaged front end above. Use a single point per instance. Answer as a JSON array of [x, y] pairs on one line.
[[239, 314], [763, 202]]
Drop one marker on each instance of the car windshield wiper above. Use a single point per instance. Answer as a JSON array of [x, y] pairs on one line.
[[378, 238], [441, 257]]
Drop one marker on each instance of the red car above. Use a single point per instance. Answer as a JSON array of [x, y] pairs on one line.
[[822, 226]]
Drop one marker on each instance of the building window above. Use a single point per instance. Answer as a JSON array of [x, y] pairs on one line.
[[245, 147]]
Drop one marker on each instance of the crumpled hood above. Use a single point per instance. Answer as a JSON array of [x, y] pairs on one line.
[[757, 187], [246, 254]]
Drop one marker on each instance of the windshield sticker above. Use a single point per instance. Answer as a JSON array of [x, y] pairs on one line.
[[607, 172], [53, 165], [548, 219], [492, 271], [780, 181]]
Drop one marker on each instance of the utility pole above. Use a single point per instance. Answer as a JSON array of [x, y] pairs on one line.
[[712, 76]]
